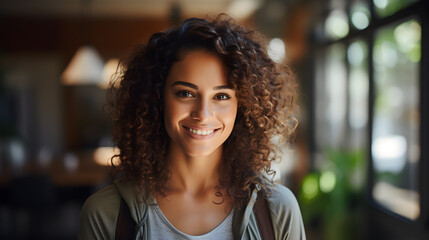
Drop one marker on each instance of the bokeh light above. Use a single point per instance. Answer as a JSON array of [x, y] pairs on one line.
[[277, 50], [360, 16], [408, 37], [336, 25], [381, 3], [356, 53], [327, 181], [310, 186]]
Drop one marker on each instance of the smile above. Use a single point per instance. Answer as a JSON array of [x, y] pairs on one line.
[[200, 132]]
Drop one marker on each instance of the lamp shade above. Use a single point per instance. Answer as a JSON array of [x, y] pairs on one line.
[[86, 67], [112, 70]]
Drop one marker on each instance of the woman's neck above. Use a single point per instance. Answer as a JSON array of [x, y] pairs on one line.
[[191, 174]]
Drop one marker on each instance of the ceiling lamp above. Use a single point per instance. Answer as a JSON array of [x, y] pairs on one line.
[[241, 9], [86, 67]]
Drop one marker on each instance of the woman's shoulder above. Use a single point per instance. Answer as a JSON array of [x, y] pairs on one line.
[[99, 214], [105, 198], [282, 198], [285, 213]]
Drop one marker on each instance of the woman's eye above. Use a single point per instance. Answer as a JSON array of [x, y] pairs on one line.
[[222, 96], [184, 94]]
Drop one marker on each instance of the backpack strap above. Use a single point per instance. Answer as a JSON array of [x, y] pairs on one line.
[[263, 218], [125, 224]]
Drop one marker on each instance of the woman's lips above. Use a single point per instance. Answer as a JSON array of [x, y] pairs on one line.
[[201, 132]]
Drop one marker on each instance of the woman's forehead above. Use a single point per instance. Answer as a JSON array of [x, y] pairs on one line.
[[199, 67]]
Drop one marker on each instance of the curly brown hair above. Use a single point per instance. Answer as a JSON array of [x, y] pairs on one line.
[[265, 91]]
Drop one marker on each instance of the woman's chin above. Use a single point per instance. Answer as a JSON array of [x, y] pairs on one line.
[[202, 152]]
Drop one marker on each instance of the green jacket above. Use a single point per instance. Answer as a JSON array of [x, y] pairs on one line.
[[100, 213]]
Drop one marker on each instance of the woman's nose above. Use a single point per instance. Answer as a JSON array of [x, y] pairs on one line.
[[202, 111]]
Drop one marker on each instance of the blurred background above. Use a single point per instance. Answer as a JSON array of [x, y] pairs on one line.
[[359, 166]]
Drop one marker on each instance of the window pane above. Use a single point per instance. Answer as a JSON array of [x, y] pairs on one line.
[[395, 140], [358, 95], [384, 8], [331, 99], [357, 56]]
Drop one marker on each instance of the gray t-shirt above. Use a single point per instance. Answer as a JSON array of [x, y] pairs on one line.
[[161, 228]]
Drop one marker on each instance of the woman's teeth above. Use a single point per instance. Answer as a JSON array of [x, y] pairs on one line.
[[199, 132]]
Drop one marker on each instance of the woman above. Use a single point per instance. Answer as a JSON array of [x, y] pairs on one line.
[[194, 113]]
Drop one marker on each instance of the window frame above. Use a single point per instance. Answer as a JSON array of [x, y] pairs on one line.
[[382, 222]]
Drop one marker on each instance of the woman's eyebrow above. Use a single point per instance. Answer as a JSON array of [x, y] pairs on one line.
[[187, 84]]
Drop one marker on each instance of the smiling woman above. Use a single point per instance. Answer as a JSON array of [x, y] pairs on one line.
[[194, 113], [200, 110]]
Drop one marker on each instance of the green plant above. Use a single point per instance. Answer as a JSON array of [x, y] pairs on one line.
[[331, 195]]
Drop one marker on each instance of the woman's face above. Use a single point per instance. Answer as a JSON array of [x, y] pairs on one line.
[[200, 106]]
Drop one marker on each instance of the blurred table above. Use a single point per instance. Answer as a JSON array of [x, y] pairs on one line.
[[84, 171]]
